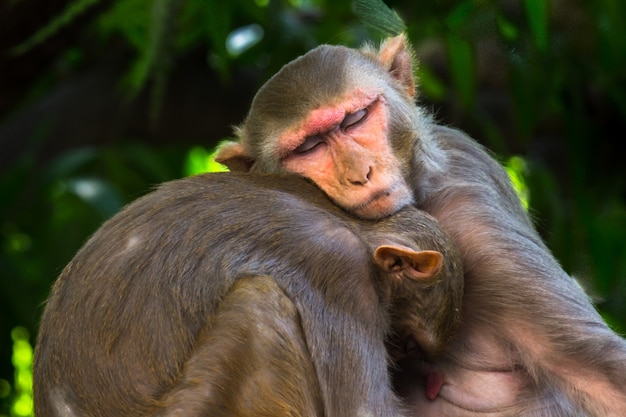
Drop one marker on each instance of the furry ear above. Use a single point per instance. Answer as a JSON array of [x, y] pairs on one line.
[[396, 56], [417, 265], [234, 156]]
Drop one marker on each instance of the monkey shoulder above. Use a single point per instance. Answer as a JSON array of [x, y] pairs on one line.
[[236, 214], [467, 170]]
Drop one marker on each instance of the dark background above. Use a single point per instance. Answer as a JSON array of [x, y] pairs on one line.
[[101, 100]]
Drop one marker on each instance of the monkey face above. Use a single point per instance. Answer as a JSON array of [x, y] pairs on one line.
[[344, 149], [326, 116]]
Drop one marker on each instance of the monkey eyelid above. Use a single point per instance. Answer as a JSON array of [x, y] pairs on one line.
[[354, 119], [351, 120], [309, 144]]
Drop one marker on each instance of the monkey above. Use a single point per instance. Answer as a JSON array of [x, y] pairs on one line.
[[530, 341], [232, 294]]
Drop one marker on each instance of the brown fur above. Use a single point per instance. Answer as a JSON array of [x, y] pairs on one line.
[[240, 295], [527, 326]]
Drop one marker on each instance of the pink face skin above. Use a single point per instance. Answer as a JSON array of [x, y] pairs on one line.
[[344, 149], [485, 383]]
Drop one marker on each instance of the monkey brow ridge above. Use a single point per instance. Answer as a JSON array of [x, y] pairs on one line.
[[324, 119]]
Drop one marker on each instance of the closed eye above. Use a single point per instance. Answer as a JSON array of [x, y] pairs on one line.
[[353, 119], [309, 144]]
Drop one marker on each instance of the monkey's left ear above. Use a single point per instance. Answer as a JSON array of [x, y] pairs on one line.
[[396, 56], [416, 265], [234, 156]]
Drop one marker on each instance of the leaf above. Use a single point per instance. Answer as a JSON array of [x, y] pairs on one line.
[[516, 168], [537, 12], [378, 16], [507, 29], [430, 84], [199, 161], [98, 192], [70, 13], [462, 65]]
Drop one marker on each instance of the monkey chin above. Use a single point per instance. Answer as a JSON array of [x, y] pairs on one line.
[[382, 204]]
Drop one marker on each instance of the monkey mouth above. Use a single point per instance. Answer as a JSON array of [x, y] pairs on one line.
[[434, 382], [364, 209], [381, 204], [438, 387]]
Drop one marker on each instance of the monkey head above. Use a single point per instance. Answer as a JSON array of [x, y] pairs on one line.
[[342, 117], [422, 271]]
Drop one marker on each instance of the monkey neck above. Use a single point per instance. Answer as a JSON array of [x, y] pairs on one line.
[[428, 168]]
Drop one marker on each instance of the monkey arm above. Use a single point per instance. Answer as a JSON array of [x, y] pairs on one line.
[[251, 360], [514, 286]]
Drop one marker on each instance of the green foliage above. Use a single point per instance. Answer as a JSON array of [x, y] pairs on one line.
[[74, 10], [376, 15], [462, 67], [516, 168], [23, 362], [199, 160], [537, 12]]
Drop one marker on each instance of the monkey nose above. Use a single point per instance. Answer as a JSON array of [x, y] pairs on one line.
[[359, 178]]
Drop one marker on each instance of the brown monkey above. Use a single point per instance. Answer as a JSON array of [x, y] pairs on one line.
[[530, 341], [240, 295]]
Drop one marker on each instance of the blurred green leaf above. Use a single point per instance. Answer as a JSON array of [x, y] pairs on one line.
[[378, 16], [23, 362], [537, 13], [73, 10], [71, 162], [517, 169], [507, 29], [129, 19], [199, 161], [460, 15], [430, 84], [461, 59], [99, 193]]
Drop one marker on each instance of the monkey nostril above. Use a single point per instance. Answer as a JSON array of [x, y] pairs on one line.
[[359, 179]]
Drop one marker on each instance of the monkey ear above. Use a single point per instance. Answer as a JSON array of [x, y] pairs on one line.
[[396, 56], [418, 265], [234, 156]]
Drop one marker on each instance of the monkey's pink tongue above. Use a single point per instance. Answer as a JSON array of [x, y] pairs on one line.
[[434, 382]]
